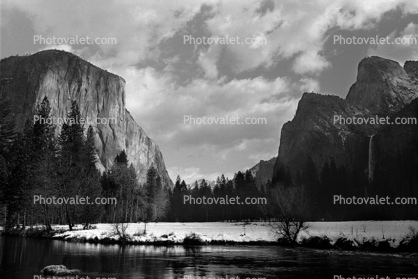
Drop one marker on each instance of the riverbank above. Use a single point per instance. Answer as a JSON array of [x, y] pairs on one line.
[[384, 236]]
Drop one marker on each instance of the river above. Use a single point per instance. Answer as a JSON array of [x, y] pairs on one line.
[[23, 258]]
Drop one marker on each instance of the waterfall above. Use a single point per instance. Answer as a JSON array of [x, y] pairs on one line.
[[371, 159]]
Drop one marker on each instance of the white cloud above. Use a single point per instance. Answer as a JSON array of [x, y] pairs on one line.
[[293, 29], [153, 96], [309, 85], [310, 62], [408, 50], [208, 62], [137, 25]]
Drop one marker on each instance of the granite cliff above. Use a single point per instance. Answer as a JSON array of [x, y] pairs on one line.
[[63, 77], [263, 171], [383, 88]]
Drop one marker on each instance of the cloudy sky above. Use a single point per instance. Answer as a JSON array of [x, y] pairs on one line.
[[290, 50]]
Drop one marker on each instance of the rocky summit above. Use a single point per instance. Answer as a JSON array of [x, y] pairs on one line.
[[383, 88], [64, 77]]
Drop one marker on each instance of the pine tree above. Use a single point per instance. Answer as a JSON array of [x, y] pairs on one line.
[[204, 191], [239, 184], [7, 136], [4, 180], [196, 214], [91, 187], [121, 158], [45, 149], [121, 183], [71, 142], [15, 191], [150, 194], [151, 185], [90, 150], [177, 206], [310, 183]]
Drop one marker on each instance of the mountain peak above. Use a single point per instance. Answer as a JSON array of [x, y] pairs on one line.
[[311, 105], [63, 77], [382, 86], [371, 65], [51, 57]]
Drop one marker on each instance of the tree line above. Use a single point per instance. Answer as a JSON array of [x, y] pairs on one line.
[[243, 185], [395, 176]]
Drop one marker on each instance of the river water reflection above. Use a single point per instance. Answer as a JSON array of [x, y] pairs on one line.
[[23, 258]]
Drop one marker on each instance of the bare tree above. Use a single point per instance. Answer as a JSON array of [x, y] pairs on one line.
[[287, 211], [120, 229]]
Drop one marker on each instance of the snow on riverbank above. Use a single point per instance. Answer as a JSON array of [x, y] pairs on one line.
[[176, 232], [362, 231], [391, 231]]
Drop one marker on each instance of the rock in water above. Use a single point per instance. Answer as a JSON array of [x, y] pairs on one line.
[[63, 77]]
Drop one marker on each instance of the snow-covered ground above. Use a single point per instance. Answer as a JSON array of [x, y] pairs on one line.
[[362, 231], [392, 231]]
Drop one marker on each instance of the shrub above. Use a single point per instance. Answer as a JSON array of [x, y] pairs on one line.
[[410, 242], [193, 239], [317, 242]]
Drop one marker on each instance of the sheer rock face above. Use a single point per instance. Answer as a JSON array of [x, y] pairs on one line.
[[316, 131], [411, 67], [382, 88], [263, 171], [396, 139], [63, 77]]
